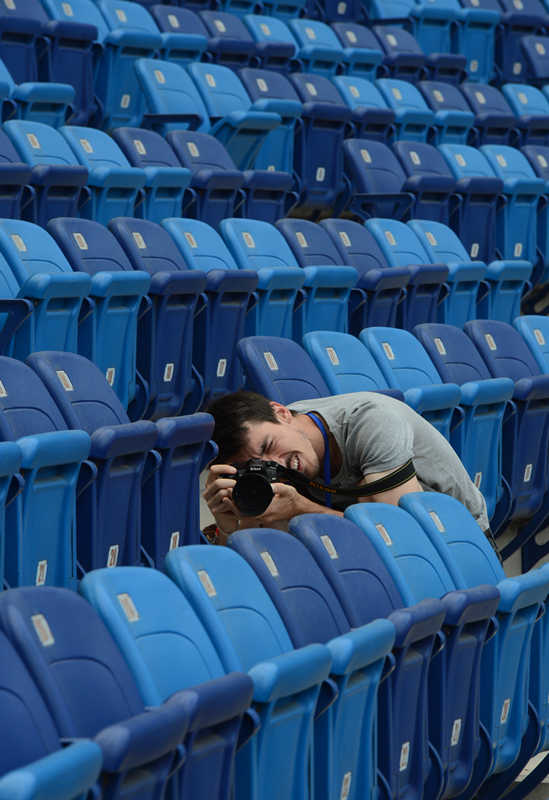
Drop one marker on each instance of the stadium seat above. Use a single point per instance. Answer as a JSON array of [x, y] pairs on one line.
[[311, 611], [506, 280], [326, 289], [192, 37], [90, 691], [368, 582], [505, 666], [483, 404], [526, 426], [534, 59], [39, 102], [363, 54], [538, 157], [33, 761], [344, 734], [229, 41], [427, 287], [166, 345], [41, 520], [406, 366], [167, 180], [429, 179], [10, 478], [517, 21], [404, 60], [280, 369], [179, 644], [384, 285], [413, 118], [57, 179], [319, 49], [229, 293], [453, 120], [274, 42], [112, 183], [107, 333], [15, 176], [531, 108], [494, 118], [371, 116]]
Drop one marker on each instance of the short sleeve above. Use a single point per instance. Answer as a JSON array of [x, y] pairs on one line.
[[378, 440]]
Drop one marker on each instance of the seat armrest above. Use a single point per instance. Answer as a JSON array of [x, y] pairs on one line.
[[217, 179], [120, 284], [417, 622], [264, 179], [466, 270], [167, 176], [535, 387], [53, 448], [522, 591], [71, 31], [180, 282], [44, 93], [125, 177], [284, 108], [42, 286], [62, 775], [528, 186], [252, 120], [509, 271], [376, 280], [490, 185], [55, 175], [231, 280], [326, 111], [117, 440], [396, 393], [437, 184], [428, 273], [471, 605], [328, 276], [214, 701], [16, 174], [280, 278], [290, 672], [131, 37], [361, 646], [176, 431], [152, 120], [433, 397], [484, 392]]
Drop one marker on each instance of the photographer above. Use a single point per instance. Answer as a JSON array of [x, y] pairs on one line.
[[345, 440]]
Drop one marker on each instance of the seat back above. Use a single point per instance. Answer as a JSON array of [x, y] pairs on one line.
[[404, 58], [372, 167], [418, 158], [526, 100], [201, 246], [398, 242], [200, 151], [401, 358], [27, 406], [360, 92], [440, 242], [169, 89], [178, 20], [538, 156], [503, 349], [310, 243], [465, 161], [220, 88], [535, 332], [145, 148], [413, 116], [316, 88], [22, 24], [147, 245], [301, 594], [88, 246], [93, 148], [452, 352], [507, 162], [256, 244], [39, 144], [344, 363], [280, 369], [356, 245], [30, 250], [270, 29]]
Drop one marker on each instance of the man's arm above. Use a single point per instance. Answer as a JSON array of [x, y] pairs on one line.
[[392, 496]]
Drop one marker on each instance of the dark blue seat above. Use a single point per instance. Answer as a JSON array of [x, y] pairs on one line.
[[538, 157], [483, 404], [107, 334], [280, 369], [494, 118], [385, 286], [192, 38], [167, 180], [363, 54], [195, 647], [166, 345], [229, 292], [453, 119], [429, 179], [90, 692], [343, 734], [534, 58], [56, 181], [229, 41], [371, 116], [530, 18], [406, 60], [312, 611], [14, 176], [34, 761], [368, 577]]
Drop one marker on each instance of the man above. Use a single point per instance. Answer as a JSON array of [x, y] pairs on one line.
[[349, 439]]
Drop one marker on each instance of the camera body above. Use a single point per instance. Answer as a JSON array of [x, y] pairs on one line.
[[252, 493]]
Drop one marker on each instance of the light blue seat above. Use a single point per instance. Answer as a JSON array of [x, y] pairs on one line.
[[320, 50], [45, 102], [413, 117], [531, 107], [505, 671], [41, 296], [272, 35], [326, 289], [173, 646], [406, 366]]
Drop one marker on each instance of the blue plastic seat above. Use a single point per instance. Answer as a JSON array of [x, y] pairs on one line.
[[384, 285], [41, 295], [229, 292], [531, 108], [229, 41], [530, 18], [403, 57], [312, 611], [195, 648], [534, 59], [516, 223], [280, 369], [453, 119], [10, 477], [275, 45], [372, 118], [326, 289], [41, 546], [413, 117], [167, 180], [478, 190], [363, 54], [192, 39], [405, 365], [506, 280], [40, 102], [318, 159], [526, 426], [427, 286], [107, 334], [64, 643], [243, 609], [504, 703], [370, 579], [538, 157], [15, 176], [429, 179], [483, 404], [273, 92], [113, 184], [494, 118], [34, 762], [319, 49], [57, 179], [166, 345]]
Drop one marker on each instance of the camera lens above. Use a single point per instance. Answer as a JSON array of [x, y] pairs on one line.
[[252, 494]]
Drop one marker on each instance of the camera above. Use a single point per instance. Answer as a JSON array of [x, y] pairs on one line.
[[252, 493]]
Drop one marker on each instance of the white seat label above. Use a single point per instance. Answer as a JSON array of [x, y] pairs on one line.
[[456, 730], [41, 572], [366, 155], [193, 149], [271, 361], [262, 85], [125, 100], [329, 546], [388, 350], [475, 249], [528, 473], [112, 558], [221, 367], [206, 582], [439, 344], [437, 520], [3, 392], [390, 238], [332, 355], [128, 607], [80, 240], [404, 756], [109, 375], [345, 238], [139, 240], [174, 540], [490, 341], [168, 372], [174, 22], [270, 564], [64, 380], [121, 15], [86, 146], [351, 36], [40, 624], [346, 786], [210, 80], [414, 157], [540, 338], [33, 141], [159, 75], [382, 530], [430, 238], [505, 711], [311, 88], [248, 239], [18, 242], [301, 240], [190, 239], [481, 98], [220, 25]]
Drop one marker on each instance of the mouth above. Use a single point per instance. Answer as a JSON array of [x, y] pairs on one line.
[[294, 463]]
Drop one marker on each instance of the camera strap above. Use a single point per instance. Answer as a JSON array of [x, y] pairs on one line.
[[327, 470]]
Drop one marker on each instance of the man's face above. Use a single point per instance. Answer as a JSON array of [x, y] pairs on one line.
[[283, 443]]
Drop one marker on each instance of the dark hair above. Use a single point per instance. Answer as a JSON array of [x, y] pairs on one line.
[[232, 413]]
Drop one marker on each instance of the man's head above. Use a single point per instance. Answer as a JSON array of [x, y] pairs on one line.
[[247, 425]]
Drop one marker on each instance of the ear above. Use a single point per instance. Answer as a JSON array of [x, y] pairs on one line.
[[282, 413]]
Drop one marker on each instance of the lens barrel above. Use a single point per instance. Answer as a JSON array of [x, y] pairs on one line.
[[252, 494]]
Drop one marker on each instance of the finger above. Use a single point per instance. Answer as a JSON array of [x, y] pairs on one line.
[[221, 484], [220, 469]]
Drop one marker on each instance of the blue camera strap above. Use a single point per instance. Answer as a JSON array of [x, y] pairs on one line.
[[326, 461]]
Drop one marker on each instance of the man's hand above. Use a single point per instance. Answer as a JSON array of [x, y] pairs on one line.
[[218, 496]]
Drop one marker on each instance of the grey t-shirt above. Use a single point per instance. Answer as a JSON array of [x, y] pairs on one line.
[[376, 433]]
